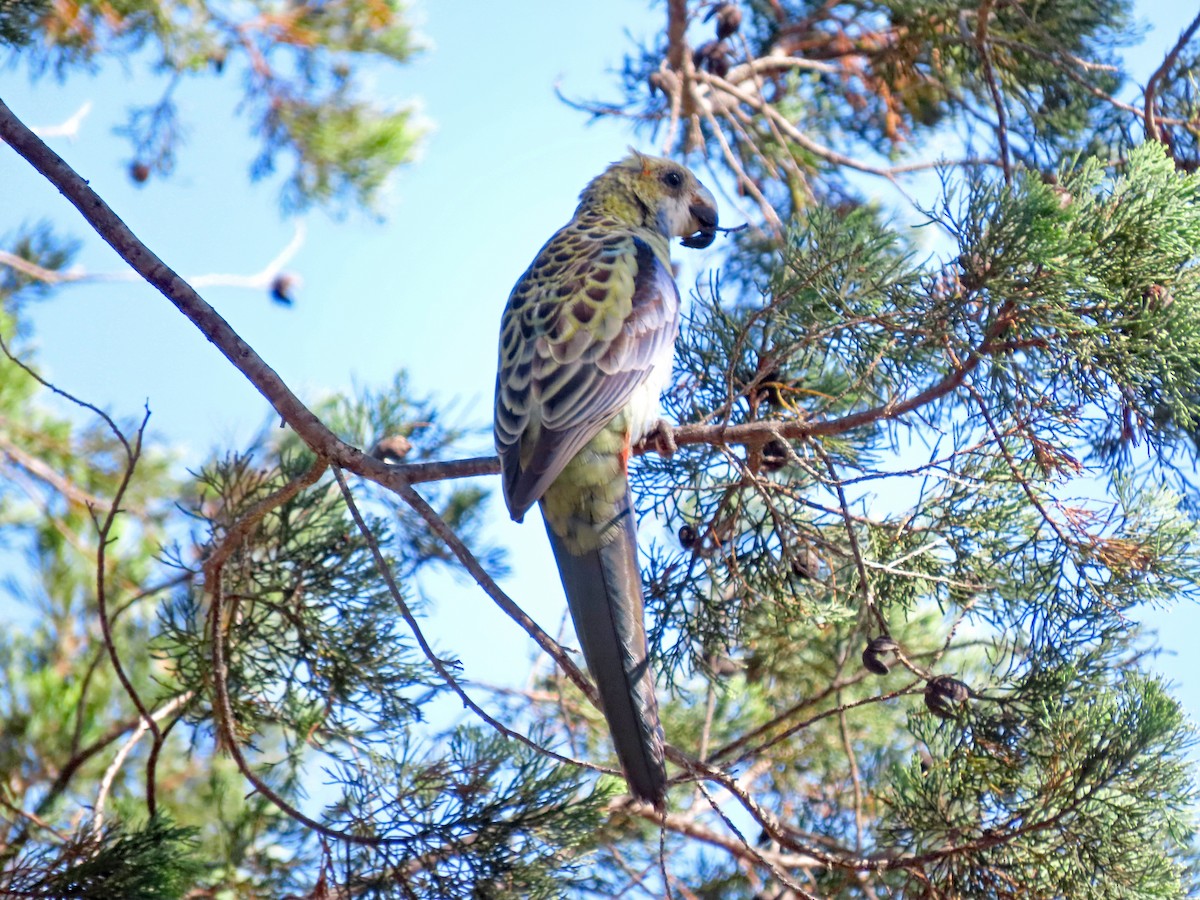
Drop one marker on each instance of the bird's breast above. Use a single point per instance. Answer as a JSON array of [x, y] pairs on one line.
[[644, 406]]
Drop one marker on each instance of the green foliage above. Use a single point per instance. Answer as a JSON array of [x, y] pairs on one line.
[[314, 645], [1102, 266], [345, 150], [18, 21], [392, 420], [1060, 328], [880, 82], [156, 862], [320, 667], [892, 597], [1094, 791], [484, 817], [298, 64]]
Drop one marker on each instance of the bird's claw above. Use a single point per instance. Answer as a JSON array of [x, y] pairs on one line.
[[661, 438]]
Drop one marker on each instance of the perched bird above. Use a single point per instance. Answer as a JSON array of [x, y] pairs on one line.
[[586, 344]]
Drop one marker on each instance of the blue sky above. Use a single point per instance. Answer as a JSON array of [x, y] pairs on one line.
[[422, 290]]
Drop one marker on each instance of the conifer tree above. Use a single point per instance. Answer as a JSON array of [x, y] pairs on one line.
[[924, 488]]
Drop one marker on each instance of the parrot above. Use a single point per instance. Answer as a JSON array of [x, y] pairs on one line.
[[587, 342]]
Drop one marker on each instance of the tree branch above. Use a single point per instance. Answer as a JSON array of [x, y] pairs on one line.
[[984, 15], [1153, 132], [225, 720], [261, 280], [69, 128], [312, 431], [123, 751], [439, 666], [127, 245]]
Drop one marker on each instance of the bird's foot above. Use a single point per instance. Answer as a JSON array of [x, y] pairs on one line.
[[661, 439]]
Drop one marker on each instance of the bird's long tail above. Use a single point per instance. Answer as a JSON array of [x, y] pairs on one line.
[[604, 593]]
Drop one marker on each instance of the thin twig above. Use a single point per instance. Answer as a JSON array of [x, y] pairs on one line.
[[817, 717], [439, 666], [34, 819], [63, 779], [763, 106], [1021, 480], [774, 869], [855, 779], [44, 472], [983, 14], [124, 750], [493, 590], [260, 280], [852, 539], [132, 454], [744, 180], [1152, 130]]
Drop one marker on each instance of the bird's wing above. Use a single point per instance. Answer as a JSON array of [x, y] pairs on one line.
[[583, 328]]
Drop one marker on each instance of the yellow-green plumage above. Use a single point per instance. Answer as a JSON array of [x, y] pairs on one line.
[[578, 516], [586, 342]]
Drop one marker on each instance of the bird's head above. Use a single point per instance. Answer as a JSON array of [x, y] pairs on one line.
[[656, 193]]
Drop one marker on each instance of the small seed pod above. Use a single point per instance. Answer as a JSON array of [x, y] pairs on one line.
[[282, 286], [729, 19], [879, 654], [806, 563], [139, 172], [944, 695], [712, 56], [774, 455], [392, 448], [769, 388], [687, 537], [1157, 297]]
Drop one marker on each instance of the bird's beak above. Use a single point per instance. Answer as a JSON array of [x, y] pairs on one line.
[[705, 217]]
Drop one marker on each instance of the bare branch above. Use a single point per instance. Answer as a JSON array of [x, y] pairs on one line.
[[677, 22], [753, 851], [984, 14], [132, 454], [123, 751], [68, 129], [118, 235], [104, 530], [761, 105], [33, 819], [40, 470], [744, 180], [493, 590], [261, 280], [1153, 132]]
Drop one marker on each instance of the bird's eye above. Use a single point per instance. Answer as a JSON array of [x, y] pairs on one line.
[[672, 179]]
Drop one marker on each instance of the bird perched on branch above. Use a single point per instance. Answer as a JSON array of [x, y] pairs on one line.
[[586, 345]]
